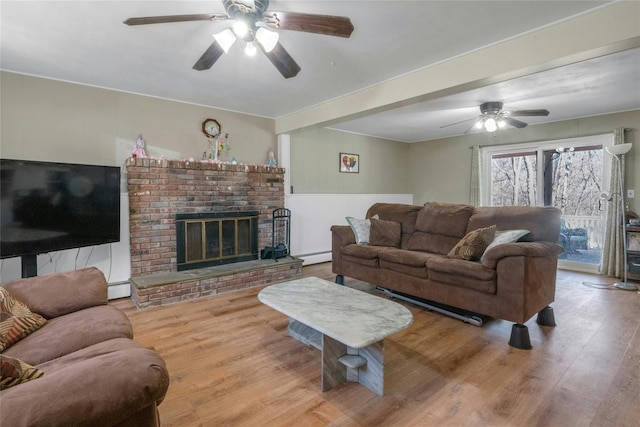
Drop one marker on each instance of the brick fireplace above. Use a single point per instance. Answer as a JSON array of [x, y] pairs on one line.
[[161, 189]]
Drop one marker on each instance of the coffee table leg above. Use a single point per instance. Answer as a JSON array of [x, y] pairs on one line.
[[371, 375], [333, 372]]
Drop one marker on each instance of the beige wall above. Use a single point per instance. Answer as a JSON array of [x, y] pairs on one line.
[[56, 121], [51, 120], [315, 163], [439, 170]]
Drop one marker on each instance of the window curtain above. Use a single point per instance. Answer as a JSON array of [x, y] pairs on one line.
[[612, 251], [474, 192]]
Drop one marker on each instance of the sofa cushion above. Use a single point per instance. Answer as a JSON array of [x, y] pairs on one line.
[[463, 273], [14, 371], [16, 320], [404, 214], [472, 246], [432, 243], [447, 219], [402, 256], [412, 263], [419, 272], [362, 254], [542, 221], [439, 227], [66, 334], [385, 233]]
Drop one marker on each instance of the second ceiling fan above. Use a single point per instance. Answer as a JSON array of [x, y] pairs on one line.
[[257, 28], [492, 117]]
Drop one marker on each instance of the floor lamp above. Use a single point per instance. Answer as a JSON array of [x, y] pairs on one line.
[[618, 151]]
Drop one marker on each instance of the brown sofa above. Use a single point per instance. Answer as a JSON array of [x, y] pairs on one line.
[[512, 281], [94, 373]]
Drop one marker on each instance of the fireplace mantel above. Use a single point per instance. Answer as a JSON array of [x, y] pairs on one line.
[[160, 188]]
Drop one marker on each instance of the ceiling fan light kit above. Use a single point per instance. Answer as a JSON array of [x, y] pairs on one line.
[[493, 117], [251, 23], [267, 39], [250, 49], [225, 39]]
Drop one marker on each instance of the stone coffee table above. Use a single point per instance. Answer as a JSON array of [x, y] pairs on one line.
[[347, 325]]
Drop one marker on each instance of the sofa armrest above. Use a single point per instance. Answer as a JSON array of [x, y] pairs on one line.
[[56, 294], [343, 235], [526, 249], [99, 391]]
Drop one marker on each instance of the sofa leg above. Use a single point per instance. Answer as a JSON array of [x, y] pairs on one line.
[[340, 279], [546, 317], [520, 337]]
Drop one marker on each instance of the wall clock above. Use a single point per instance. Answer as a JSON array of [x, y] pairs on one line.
[[211, 128]]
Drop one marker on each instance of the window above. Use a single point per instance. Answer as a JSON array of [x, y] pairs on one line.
[[570, 174]]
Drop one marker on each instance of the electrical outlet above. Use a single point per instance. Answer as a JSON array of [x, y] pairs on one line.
[[630, 194]]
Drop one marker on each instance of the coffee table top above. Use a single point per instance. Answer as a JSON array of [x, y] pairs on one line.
[[353, 317]]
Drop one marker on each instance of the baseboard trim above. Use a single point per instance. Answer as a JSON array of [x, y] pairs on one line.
[[315, 258], [119, 290]]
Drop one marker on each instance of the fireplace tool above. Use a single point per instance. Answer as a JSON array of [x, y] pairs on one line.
[[280, 235]]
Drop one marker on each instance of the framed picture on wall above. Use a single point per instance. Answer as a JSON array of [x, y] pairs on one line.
[[349, 163]]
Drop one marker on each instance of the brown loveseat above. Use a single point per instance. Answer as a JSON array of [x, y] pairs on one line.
[[94, 373], [409, 249]]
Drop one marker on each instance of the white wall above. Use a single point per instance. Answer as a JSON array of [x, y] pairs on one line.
[[312, 216]]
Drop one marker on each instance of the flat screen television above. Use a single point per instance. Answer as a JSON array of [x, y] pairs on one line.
[[46, 207]]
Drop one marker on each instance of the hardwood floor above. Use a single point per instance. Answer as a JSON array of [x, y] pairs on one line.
[[232, 363]]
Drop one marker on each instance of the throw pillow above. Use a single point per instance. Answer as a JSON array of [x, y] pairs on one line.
[[385, 233], [16, 320], [472, 246], [14, 371], [505, 236], [361, 228]]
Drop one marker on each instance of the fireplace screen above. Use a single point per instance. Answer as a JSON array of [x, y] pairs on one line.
[[209, 239]]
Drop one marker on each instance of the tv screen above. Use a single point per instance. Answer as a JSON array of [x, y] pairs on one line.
[[47, 207]]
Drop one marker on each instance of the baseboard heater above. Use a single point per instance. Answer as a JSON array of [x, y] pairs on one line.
[[457, 313]]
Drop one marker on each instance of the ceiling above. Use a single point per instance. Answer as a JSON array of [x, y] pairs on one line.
[[87, 43]]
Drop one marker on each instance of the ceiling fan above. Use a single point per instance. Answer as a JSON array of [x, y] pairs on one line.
[[492, 117], [256, 27]]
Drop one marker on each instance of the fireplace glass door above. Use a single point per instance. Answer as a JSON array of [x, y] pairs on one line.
[[212, 241]]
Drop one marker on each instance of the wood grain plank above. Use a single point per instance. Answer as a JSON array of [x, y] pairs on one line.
[[232, 362]]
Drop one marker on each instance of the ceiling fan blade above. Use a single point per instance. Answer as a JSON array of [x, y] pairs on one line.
[[468, 131], [282, 61], [174, 18], [457, 123], [529, 113], [515, 123], [209, 57], [329, 25]]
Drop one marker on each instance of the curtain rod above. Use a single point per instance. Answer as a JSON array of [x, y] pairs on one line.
[[547, 140]]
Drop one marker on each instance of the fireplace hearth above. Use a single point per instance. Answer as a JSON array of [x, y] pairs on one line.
[[213, 238]]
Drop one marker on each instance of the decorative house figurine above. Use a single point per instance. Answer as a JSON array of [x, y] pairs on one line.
[[138, 151]]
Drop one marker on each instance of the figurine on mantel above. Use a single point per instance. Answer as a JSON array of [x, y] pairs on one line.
[[271, 160], [138, 151]]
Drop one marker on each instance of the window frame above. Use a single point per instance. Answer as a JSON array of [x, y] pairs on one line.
[[488, 152]]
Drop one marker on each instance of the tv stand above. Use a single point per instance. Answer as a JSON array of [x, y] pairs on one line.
[[29, 265]]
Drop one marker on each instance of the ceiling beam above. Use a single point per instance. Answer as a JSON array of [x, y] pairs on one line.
[[610, 29]]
